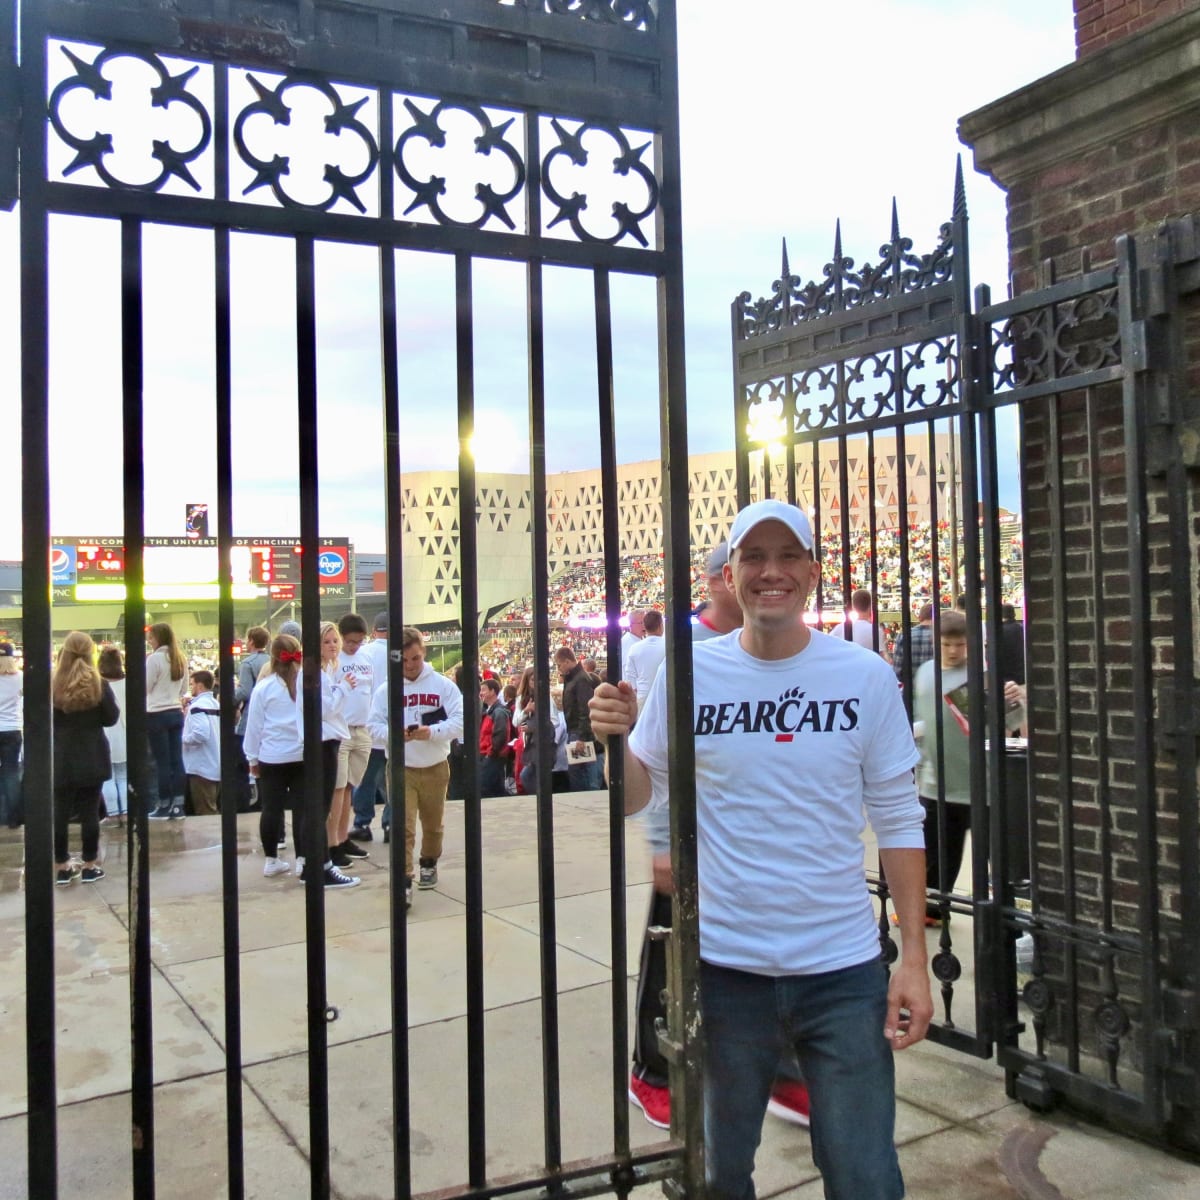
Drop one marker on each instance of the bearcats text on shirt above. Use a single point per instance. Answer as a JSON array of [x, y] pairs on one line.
[[790, 714]]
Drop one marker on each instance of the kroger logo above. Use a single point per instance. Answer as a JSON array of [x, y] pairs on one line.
[[330, 564]]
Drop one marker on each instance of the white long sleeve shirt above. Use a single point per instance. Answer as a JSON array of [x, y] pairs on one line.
[[202, 737], [272, 731], [358, 702], [162, 692], [431, 700], [334, 691]]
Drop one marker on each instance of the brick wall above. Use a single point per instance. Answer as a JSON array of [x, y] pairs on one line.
[[1098, 23], [1078, 206]]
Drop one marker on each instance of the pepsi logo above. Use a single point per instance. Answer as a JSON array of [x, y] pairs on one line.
[[330, 564], [60, 560]]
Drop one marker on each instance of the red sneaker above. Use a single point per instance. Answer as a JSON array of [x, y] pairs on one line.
[[655, 1102], [789, 1101]]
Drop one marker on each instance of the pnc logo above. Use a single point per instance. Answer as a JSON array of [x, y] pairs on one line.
[[330, 564]]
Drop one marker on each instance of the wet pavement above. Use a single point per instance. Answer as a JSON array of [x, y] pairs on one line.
[[959, 1135]]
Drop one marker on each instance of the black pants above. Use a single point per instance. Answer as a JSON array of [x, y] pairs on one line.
[[280, 787], [958, 825], [84, 801], [11, 809]]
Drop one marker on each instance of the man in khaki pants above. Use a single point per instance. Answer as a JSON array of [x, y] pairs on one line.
[[433, 718]]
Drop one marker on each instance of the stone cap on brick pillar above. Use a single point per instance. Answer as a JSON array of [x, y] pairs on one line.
[[1151, 76]]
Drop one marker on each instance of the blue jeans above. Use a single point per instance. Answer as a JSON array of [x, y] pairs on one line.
[[491, 777], [372, 790], [586, 777], [114, 790], [164, 731], [834, 1021]]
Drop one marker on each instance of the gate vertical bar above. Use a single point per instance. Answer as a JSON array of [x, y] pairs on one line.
[[230, 778], [616, 748], [687, 1119], [544, 742], [312, 799], [231, 775], [468, 542], [535, 315], [141, 977], [1140, 614], [40, 1057], [397, 909]]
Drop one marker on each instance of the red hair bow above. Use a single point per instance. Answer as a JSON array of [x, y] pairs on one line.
[[291, 656]]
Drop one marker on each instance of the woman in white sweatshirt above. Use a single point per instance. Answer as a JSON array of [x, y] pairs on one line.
[[166, 686], [275, 751], [335, 688], [10, 737]]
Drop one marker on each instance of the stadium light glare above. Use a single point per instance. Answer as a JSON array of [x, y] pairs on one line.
[[115, 592]]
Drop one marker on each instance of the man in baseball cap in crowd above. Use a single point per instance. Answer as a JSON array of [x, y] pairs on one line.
[[796, 734]]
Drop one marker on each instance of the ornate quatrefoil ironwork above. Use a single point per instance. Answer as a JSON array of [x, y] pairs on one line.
[[628, 162], [93, 151], [271, 172], [635, 14], [427, 193]]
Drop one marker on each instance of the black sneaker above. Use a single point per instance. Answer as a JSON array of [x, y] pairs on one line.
[[427, 878], [175, 812], [161, 813], [408, 893], [335, 879], [353, 849], [387, 834], [64, 877], [338, 858], [92, 874], [362, 833]]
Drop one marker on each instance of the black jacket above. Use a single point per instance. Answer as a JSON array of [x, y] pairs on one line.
[[81, 755], [577, 691]]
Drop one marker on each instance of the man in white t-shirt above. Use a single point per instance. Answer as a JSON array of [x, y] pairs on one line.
[[646, 656], [864, 631], [796, 735], [634, 634]]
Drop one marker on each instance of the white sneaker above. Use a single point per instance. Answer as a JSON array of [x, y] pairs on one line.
[[276, 866]]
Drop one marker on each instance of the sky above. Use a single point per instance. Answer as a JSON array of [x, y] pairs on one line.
[[793, 115]]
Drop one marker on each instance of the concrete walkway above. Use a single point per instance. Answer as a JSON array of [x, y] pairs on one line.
[[960, 1137]]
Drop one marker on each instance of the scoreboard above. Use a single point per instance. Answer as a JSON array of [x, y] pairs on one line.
[[177, 568]]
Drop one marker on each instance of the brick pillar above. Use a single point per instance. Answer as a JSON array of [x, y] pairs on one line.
[[1109, 145]]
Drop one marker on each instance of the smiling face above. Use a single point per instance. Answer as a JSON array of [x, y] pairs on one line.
[[771, 576]]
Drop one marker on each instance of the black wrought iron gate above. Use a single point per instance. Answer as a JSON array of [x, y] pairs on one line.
[[550, 87], [885, 401]]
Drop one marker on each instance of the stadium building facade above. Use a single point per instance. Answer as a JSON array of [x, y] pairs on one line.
[[575, 514]]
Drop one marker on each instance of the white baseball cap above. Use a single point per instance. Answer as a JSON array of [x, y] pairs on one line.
[[771, 510]]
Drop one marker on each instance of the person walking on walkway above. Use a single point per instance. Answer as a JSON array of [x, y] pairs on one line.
[[275, 751], [797, 734], [166, 686], [433, 718], [11, 717], [84, 706], [116, 790]]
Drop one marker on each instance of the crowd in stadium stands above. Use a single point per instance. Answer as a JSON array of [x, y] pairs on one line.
[[577, 594]]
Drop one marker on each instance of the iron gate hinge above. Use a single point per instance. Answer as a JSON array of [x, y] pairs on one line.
[[670, 1048]]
